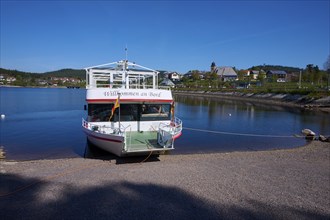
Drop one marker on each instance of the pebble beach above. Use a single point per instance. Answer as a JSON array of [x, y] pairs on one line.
[[275, 184]]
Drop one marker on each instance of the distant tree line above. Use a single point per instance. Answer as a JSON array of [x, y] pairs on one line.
[[308, 80], [310, 74], [34, 79], [74, 73], [275, 67]]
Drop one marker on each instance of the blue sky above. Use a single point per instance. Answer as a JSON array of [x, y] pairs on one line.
[[40, 36]]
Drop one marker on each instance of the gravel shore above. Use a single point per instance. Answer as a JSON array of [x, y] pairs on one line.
[[279, 184]]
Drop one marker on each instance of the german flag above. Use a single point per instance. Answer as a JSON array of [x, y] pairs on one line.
[[117, 104]]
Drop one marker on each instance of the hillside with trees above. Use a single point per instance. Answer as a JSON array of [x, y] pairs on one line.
[[275, 67], [73, 73], [311, 77], [63, 77], [294, 80]]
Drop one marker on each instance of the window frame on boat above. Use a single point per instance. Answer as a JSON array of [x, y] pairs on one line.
[[101, 112]]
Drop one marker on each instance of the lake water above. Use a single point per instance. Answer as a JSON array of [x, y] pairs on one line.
[[44, 123]]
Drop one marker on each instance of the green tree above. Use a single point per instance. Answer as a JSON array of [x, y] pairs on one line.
[[214, 76], [313, 74], [195, 75], [261, 77], [327, 69], [241, 74], [326, 65], [309, 68], [317, 75], [308, 73]]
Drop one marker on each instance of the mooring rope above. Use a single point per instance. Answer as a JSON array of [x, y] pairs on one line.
[[244, 134]]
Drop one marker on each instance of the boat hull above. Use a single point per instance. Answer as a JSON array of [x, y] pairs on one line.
[[116, 145], [110, 143]]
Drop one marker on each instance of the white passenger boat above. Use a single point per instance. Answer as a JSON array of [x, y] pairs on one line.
[[128, 114]]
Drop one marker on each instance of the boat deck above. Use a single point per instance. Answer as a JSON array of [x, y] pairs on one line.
[[142, 141]]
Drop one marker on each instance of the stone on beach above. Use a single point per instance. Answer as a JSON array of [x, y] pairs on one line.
[[309, 134], [324, 139]]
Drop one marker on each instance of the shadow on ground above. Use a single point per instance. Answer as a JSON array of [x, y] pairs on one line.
[[125, 200]]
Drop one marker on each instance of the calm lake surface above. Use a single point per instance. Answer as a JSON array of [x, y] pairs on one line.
[[44, 123]]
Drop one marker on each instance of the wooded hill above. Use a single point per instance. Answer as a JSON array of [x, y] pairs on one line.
[[70, 73], [81, 74], [276, 67], [73, 73]]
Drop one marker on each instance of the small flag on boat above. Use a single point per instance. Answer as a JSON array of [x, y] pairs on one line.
[[117, 105], [172, 110]]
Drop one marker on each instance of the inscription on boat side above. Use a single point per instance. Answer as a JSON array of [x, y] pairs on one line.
[[130, 94]]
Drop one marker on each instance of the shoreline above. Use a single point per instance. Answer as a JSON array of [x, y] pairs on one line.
[[136, 159], [295, 101], [38, 87]]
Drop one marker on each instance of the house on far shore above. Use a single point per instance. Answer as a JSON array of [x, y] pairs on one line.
[[191, 73], [167, 82], [226, 73], [2, 79], [278, 75], [174, 76], [253, 74]]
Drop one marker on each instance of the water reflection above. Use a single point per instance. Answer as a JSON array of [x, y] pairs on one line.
[[46, 123], [217, 114]]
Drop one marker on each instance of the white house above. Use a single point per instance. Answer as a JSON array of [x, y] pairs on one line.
[[253, 74], [11, 79], [174, 76]]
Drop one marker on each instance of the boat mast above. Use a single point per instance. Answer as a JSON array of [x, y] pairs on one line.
[[125, 70], [126, 52]]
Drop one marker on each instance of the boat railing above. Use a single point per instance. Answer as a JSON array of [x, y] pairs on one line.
[[128, 138], [123, 73], [131, 86], [104, 129], [168, 130], [120, 85], [174, 127]]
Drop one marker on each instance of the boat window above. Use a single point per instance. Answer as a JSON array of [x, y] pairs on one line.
[[102, 112], [154, 112], [99, 112], [129, 112]]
